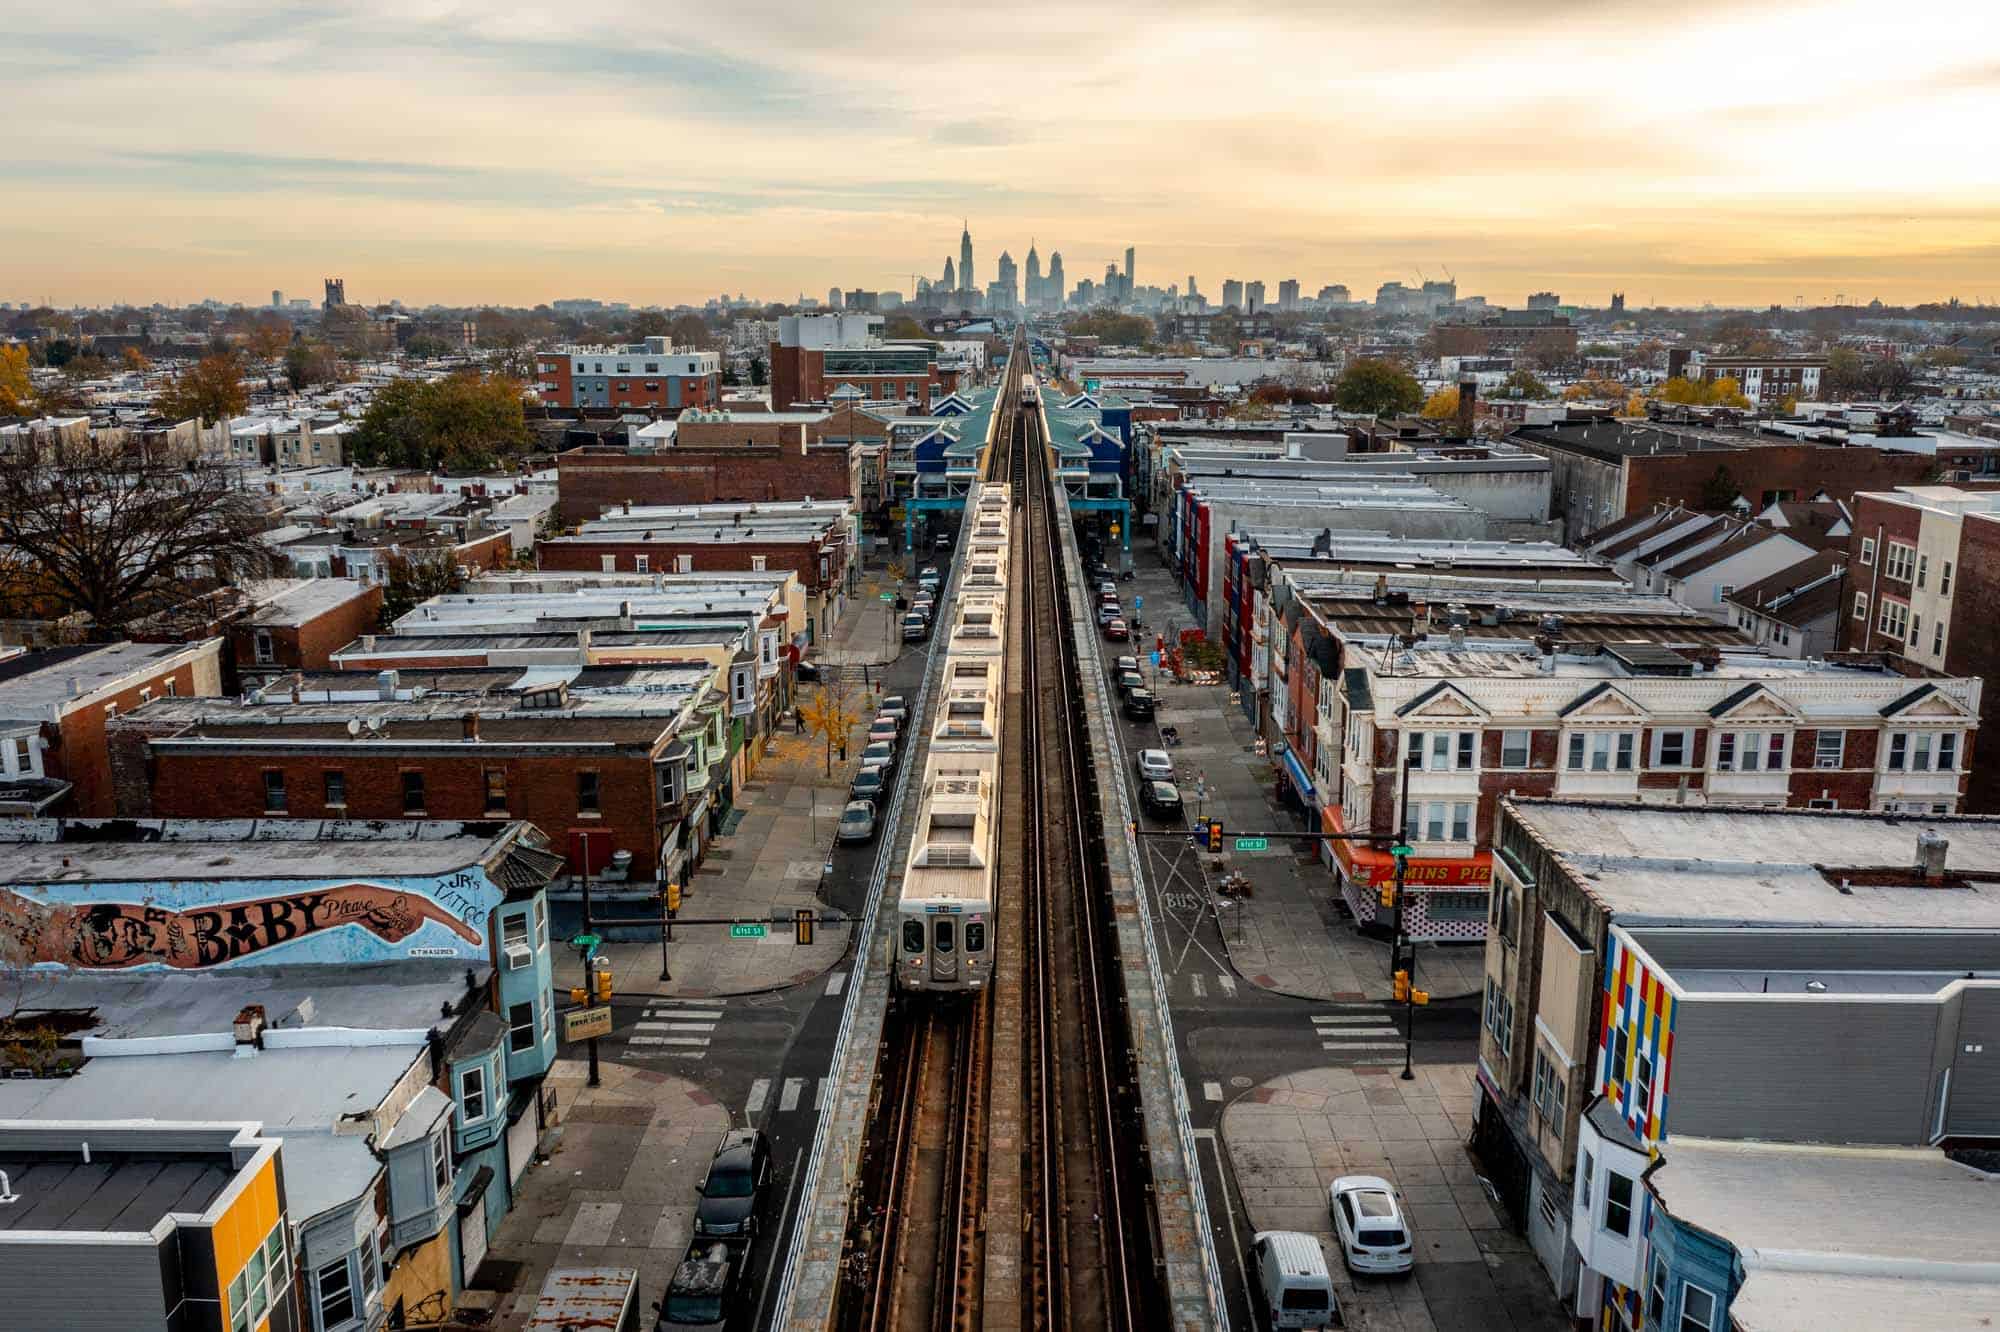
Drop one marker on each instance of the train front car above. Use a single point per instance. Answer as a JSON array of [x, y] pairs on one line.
[[945, 942]]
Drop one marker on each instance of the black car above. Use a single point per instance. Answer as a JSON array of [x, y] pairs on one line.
[[807, 672], [1160, 800], [1140, 705], [734, 1189], [870, 784]]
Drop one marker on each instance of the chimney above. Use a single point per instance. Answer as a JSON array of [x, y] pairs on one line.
[[386, 683], [1468, 404], [75, 686], [249, 1029], [470, 722], [1931, 848]]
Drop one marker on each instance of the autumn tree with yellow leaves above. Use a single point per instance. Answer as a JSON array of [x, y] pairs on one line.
[[830, 714], [1441, 405], [17, 388]]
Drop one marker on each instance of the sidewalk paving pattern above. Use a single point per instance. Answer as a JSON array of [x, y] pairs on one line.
[[1291, 1137]]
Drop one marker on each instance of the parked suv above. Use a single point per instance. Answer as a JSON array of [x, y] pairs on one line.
[[732, 1193]]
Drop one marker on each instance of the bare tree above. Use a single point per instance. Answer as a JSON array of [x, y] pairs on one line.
[[86, 528]]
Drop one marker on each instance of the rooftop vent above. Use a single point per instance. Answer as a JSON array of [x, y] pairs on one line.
[[1931, 848]]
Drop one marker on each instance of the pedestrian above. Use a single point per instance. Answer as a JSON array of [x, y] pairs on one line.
[[799, 721]]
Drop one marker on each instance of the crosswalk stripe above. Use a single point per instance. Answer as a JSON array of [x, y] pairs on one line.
[[1211, 1091], [1228, 985], [789, 1099], [1348, 1033], [706, 1014], [673, 1026], [1345, 1046], [836, 983], [1350, 1018], [1200, 990], [670, 1040], [760, 1091]]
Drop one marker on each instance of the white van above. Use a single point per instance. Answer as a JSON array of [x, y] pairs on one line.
[[1292, 1281]]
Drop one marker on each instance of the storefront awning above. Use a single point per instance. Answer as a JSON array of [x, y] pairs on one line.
[[1368, 865]]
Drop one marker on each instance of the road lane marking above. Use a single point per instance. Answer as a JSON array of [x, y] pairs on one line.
[[760, 1092], [1211, 1091], [836, 983], [1228, 985], [788, 1100], [771, 1262], [1200, 989]]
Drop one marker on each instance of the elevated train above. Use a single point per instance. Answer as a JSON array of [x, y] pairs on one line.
[[945, 936]]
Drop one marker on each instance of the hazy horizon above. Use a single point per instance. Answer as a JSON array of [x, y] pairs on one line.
[[461, 154]]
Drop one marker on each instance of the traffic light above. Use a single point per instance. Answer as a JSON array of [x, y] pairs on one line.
[[578, 995], [600, 979], [1215, 834], [673, 897], [802, 925], [1401, 987], [1387, 895], [1420, 996]]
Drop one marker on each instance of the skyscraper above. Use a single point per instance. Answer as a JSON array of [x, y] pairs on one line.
[[1003, 281], [833, 300], [1288, 294], [1056, 288], [1130, 254], [950, 283], [965, 282], [1232, 294], [1253, 297], [1032, 293]]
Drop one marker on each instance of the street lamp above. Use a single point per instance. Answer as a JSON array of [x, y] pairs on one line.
[[1404, 975]]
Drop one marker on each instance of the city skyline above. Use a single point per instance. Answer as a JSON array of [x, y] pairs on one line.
[[1720, 168]]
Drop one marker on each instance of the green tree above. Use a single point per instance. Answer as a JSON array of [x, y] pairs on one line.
[[1524, 384], [648, 324], [465, 421], [426, 346], [309, 363], [1377, 387], [757, 372], [902, 328], [1112, 328], [1719, 491], [210, 389]]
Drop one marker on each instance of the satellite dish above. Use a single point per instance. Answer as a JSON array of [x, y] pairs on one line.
[[354, 726]]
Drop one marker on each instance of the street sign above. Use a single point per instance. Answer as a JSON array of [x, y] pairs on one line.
[[1156, 661], [581, 1024], [586, 942], [885, 596], [746, 931], [1253, 844], [1400, 851], [1138, 603]]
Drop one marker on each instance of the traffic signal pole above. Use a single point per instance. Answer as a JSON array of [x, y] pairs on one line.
[[1405, 972], [589, 986]]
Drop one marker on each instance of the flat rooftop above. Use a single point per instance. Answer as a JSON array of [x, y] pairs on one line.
[[1842, 1237], [46, 851], [1769, 867], [114, 1192], [34, 682]]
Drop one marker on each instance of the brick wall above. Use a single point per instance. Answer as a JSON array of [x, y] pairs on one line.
[[308, 646], [81, 755], [543, 789], [588, 484], [579, 556], [1974, 647], [1802, 469]]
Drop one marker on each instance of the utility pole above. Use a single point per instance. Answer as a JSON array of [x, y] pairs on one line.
[[1404, 973], [589, 987]]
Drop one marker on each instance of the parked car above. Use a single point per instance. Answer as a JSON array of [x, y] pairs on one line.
[[1141, 705], [925, 606], [1368, 1222], [880, 754], [916, 627], [895, 705], [1116, 631], [857, 822], [732, 1195], [1130, 680], [807, 671], [942, 543], [884, 728], [1161, 800], [1107, 588], [1154, 765], [1125, 663], [1292, 1285], [1108, 611], [870, 784]]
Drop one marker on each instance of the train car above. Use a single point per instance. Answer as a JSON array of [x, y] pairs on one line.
[[968, 720], [1029, 394], [978, 624], [944, 931]]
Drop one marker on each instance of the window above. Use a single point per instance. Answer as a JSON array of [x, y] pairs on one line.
[[1656, 1304], [274, 791], [334, 781], [174, 686], [1621, 1050], [265, 652], [1515, 748], [1438, 821], [146, 695], [1461, 821], [1550, 1093], [1868, 550], [513, 930], [1923, 568], [1576, 748], [683, 564], [1937, 639], [758, 563], [1617, 1203], [642, 564], [110, 711], [1899, 561], [1447, 750], [541, 924], [1697, 1309], [1583, 1179], [266, 1276], [1642, 1085], [1749, 751], [586, 793], [1467, 750], [336, 1293], [371, 1264], [1916, 630], [496, 790], [1673, 749], [440, 1161], [1602, 751], [413, 792], [1861, 606], [1893, 618], [1722, 590], [21, 755], [1944, 579], [1499, 1017], [1829, 749], [472, 1095], [1947, 751]]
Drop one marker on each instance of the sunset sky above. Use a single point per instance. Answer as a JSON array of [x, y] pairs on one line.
[[437, 151]]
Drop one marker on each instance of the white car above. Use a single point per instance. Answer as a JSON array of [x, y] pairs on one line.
[[1154, 765], [1369, 1225]]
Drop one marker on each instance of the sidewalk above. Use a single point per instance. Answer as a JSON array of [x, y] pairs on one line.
[[617, 1189], [766, 867], [1293, 1136], [1291, 935], [871, 631]]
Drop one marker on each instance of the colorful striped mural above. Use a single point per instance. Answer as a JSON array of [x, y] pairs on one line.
[[1639, 1007]]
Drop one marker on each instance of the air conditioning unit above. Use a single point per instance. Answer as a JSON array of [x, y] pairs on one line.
[[1826, 763], [519, 955]]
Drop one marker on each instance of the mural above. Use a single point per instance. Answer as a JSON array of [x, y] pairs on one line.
[[332, 923], [1637, 1039]]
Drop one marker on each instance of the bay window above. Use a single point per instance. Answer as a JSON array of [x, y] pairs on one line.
[[1602, 751]]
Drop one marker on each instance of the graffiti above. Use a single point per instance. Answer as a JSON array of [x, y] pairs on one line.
[[111, 935]]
